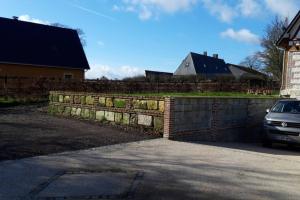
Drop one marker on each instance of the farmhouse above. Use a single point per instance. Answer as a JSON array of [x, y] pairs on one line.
[[203, 65], [36, 50], [290, 43], [212, 66]]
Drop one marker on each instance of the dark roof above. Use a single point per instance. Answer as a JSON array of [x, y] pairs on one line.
[[285, 36], [209, 65], [247, 69], [42, 45], [158, 73]]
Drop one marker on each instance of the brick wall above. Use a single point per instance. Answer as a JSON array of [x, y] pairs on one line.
[[140, 112], [215, 119]]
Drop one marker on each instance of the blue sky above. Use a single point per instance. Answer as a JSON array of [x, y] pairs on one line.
[[125, 37]]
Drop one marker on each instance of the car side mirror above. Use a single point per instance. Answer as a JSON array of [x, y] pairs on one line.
[[267, 111]]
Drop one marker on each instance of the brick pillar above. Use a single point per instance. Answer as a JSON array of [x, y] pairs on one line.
[[169, 117]]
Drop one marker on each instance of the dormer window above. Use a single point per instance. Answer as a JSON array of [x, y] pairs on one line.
[[187, 64]]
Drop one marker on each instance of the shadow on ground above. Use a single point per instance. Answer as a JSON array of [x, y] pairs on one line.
[[276, 149]]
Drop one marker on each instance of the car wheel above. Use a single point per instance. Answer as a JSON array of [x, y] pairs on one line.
[[266, 143]]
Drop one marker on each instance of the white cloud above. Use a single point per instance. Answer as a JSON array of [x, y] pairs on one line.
[[97, 71], [145, 13], [283, 8], [249, 7], [223, 11], [27, 18], [242, 35], [146, 9], [227, 12]]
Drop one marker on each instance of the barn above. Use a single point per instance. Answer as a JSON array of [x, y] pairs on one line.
[[40, 51]]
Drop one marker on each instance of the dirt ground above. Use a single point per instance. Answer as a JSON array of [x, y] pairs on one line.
[[27, 131]]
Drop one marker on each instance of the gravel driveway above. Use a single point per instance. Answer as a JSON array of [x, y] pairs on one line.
[[27, 131]]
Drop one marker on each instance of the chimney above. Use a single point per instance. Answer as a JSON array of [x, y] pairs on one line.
[[15, 18], [205, 53], [215, 55]]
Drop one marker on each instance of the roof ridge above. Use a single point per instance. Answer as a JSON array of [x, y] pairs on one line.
[[37, 24]]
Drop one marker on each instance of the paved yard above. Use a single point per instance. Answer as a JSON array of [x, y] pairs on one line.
[[26, 131], [156, 169]]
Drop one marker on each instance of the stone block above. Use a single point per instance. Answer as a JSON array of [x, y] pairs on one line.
[[82, 99], [67, 111], [102, 101], [161, 106], [50, 97], [61, 98], [54, 109], [126, 118], [89, 100], [73, 111], [145, 120], [100, 115], [60, 109], [66, 99], [78, 112], [54, 97], [120, 103], [158, 123], [109, 102], [109, 116], [151, 105], [140, 104], [50, 109], [133, 119], [118, 117], [92, 114], [77, 99], [85, 113]]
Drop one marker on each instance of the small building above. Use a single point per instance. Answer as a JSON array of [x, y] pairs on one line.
[[203, 65], [36, 50], [156, 75], [290, 43], [241, 73]]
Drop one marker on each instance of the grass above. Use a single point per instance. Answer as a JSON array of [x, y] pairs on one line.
[[9, 101], [206, 94]]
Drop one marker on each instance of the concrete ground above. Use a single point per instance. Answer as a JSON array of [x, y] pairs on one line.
[[156, 169]]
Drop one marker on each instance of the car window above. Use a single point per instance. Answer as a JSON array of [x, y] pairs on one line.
[[287, 107]]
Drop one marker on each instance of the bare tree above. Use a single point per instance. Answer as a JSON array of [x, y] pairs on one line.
[[80, 32], [271, 55], [270, 59], [253, 61]]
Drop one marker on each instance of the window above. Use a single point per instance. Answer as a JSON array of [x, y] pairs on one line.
[[287, 107], [68, 76]]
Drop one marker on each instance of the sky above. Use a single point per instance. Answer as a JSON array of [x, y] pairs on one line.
[[125, 37]]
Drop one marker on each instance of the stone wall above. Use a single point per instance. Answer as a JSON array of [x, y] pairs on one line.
[[215, 119], [187, 118], [144, 112]]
